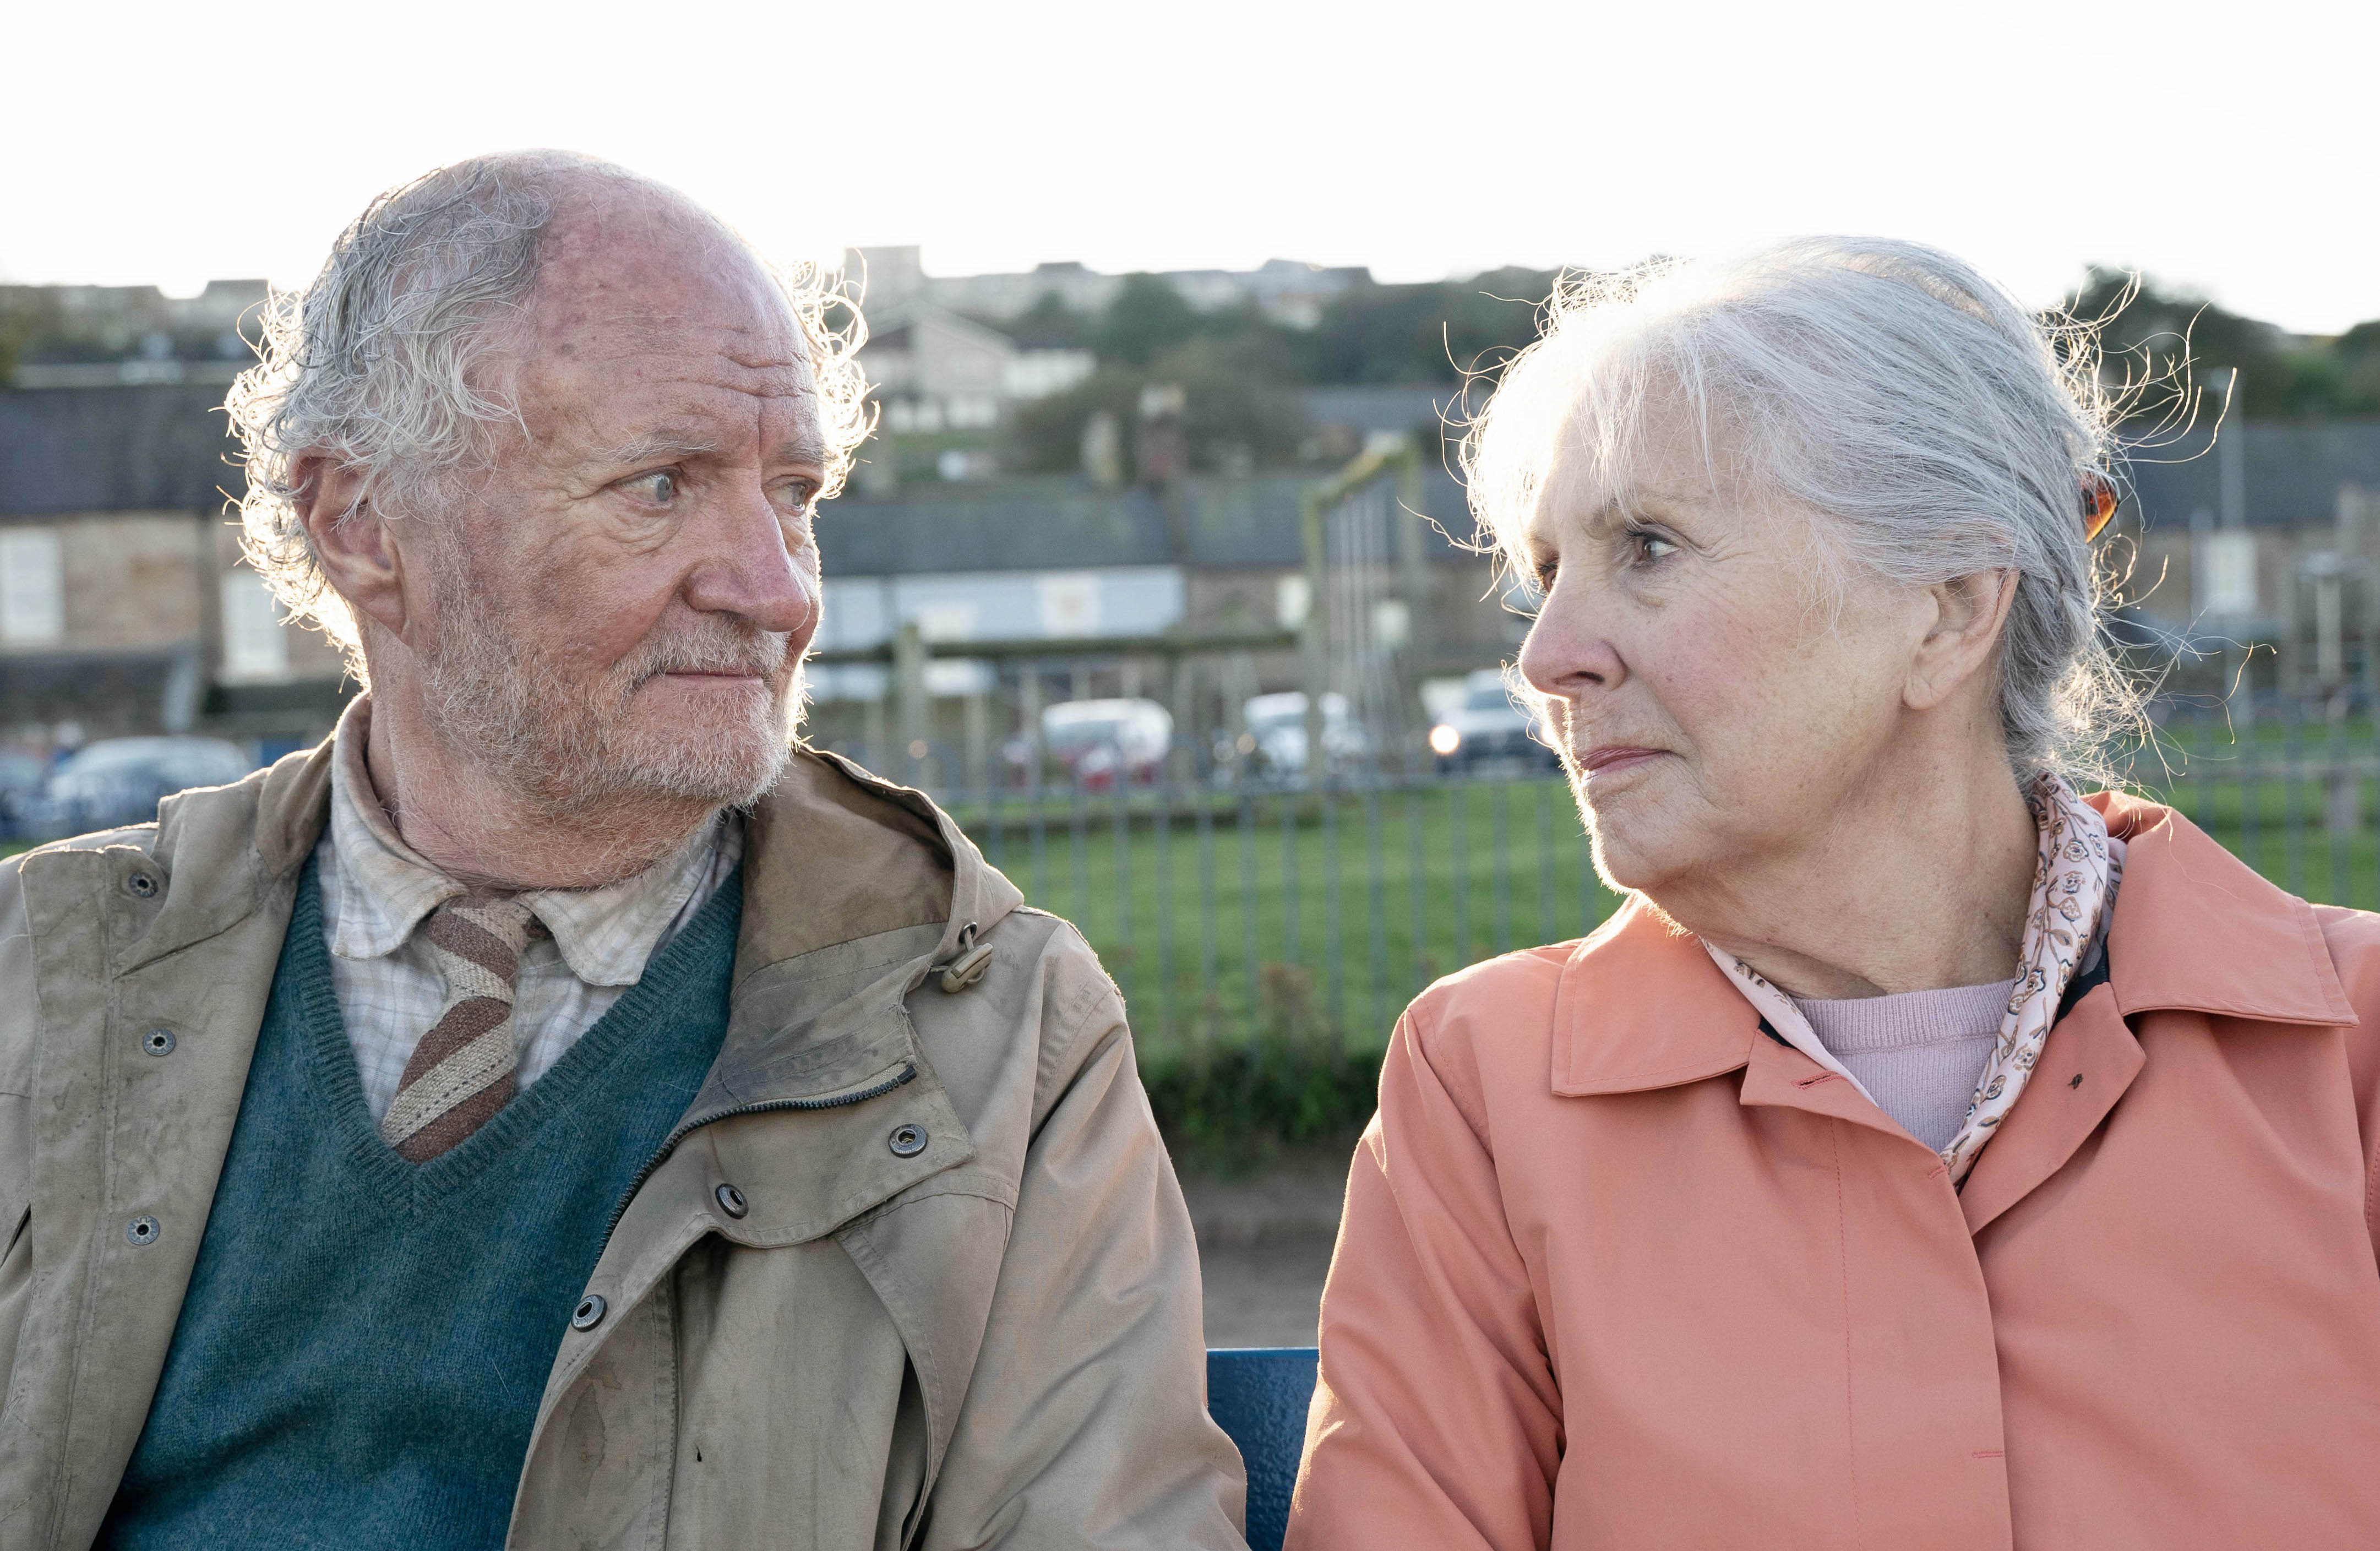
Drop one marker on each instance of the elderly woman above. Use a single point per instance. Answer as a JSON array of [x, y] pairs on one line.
[[1925, 1155]]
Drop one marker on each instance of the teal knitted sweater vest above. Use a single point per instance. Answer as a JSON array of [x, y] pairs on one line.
[[365, 1341]]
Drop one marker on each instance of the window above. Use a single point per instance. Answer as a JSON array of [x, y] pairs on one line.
[[32, 587], [1069, 603], [255, 642], [1292, 597], [2227, 574]]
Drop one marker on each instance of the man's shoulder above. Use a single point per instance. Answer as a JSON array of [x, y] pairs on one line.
[[19, 1022]]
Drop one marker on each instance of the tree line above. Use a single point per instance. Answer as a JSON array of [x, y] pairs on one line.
[[1240, 371]]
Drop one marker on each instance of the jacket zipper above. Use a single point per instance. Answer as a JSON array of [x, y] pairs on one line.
[[899, 1079]]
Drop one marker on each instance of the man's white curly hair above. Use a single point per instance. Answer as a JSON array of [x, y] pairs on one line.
[[375, 362]]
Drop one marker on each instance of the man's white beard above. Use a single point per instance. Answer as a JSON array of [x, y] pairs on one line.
[[568, 745]]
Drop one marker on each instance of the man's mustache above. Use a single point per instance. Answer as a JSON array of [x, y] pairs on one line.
[[726, 648]]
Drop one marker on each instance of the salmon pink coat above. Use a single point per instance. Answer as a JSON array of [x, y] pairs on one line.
[[1619, 1269]]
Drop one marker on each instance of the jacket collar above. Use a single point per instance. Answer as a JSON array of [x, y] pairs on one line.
[[227, 851], [2198, 929], [258, 832], [1640, 1005]]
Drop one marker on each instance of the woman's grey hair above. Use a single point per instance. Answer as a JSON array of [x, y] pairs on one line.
[[378, 363], [1934, 427]]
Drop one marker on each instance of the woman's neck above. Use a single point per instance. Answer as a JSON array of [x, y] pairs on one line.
[[1920, 881]]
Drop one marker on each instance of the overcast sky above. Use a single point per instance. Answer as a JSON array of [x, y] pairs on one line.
[[2231, 149]]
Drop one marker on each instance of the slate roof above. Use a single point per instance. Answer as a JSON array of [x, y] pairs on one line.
[[2293, 471], [154, 447], [1064, 523]]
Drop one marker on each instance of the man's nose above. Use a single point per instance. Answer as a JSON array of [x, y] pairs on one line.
[[748, 569]]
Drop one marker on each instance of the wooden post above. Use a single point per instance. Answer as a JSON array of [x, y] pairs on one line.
[[1312, 643], [978, 739], [1185, 720], [1421, 611], [872, 734], [909, 691], [1028, 706]]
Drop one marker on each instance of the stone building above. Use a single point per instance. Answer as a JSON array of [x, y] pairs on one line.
[[124, 605]]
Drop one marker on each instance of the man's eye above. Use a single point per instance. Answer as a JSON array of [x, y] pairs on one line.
[[1652, 546], [659, 487]]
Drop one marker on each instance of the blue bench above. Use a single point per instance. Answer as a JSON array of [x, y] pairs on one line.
[[1258, 1395]]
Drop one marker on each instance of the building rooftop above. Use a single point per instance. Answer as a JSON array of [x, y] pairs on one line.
[[151, 447], [2293, 472], [1064, 522]]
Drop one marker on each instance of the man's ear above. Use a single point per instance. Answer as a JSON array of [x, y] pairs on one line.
[[1967, 615], [351, 542]]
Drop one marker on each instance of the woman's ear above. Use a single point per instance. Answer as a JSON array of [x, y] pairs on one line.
[[1967, 615], [350, 540]]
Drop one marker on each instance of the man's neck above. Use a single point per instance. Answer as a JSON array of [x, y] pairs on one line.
[[1922, 883], [474, 827]]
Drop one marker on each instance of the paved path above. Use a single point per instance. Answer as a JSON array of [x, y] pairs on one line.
[[1264, 1245]]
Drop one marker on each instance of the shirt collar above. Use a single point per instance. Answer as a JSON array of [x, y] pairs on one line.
[[605, 934]]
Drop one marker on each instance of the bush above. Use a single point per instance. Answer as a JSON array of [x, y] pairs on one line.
[[1290, 1082], [1233, 1105]]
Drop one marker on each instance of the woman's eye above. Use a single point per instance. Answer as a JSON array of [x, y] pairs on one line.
[[1652, 546], [659, 487]]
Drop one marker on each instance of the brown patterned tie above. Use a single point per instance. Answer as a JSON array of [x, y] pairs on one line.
[[461, 1073]]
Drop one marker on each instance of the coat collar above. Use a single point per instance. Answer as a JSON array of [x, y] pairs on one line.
[[1615, 1033], [1640, 1005], [225, 848], [2198, 929]]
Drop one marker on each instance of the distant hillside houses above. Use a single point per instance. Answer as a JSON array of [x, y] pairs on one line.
[[122, 602], [1287, 292]]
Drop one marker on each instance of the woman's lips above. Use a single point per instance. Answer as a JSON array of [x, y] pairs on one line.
[[1614, 756]]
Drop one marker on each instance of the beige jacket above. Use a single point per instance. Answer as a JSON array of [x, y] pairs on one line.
[[994, 1341]]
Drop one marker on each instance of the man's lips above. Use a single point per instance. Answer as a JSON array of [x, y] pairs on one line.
[[1611, 756]]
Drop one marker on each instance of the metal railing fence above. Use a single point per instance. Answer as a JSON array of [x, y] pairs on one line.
[[1230, 915]]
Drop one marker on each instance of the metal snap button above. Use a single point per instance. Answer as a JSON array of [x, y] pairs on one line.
[[731, 1201], [143, 884], [158, 1042], [907, 1140], [142, 1232], [589, 1312]]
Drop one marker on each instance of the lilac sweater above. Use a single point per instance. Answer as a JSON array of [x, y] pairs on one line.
[[1918, 1054]]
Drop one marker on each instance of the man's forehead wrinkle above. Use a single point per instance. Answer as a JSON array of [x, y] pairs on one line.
[[666, 442]]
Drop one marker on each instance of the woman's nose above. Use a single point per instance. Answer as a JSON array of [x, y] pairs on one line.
[[1564, 655]]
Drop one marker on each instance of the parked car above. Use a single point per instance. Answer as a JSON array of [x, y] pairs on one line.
[[1102, 743], [1490, 725], [1274, 745], [119, 781], [22, 777]]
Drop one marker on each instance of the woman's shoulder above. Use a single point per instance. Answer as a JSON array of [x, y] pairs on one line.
[[1520, 985], [2352, 939]]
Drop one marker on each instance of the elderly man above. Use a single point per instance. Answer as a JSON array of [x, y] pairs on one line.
[[559, 1111]]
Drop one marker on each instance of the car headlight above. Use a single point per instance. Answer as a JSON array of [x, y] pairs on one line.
[[1444, 740]]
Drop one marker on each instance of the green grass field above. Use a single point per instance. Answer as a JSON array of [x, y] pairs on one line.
[[1299, 916], [1313, 919]]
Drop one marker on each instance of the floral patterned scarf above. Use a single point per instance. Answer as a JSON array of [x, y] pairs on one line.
[[2074, 883]]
